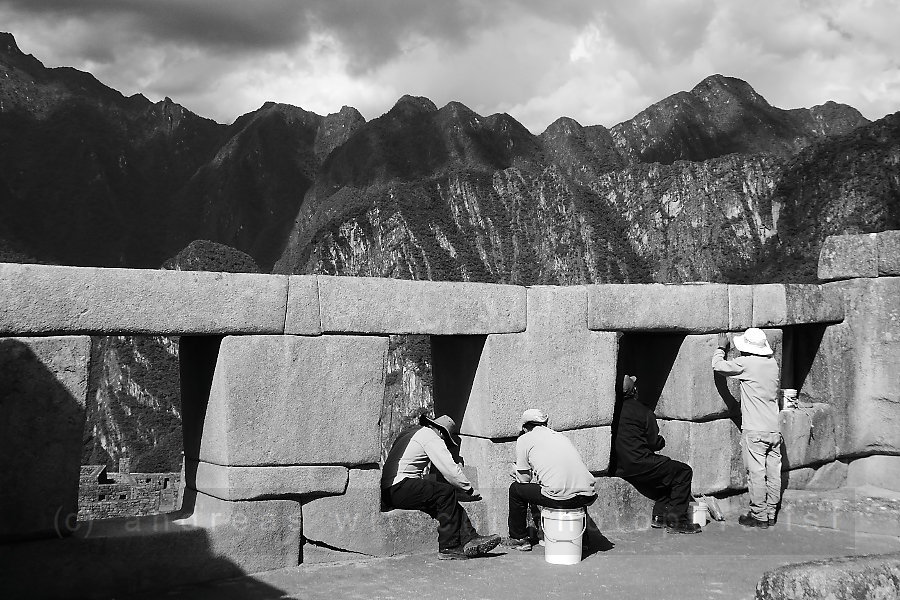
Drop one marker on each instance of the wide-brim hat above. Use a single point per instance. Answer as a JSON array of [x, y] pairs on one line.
[[753, 341], [534, 415], [446, 424]]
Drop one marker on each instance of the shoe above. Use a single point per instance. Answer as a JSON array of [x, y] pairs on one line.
[[457, 553], [520, 544], [749, 520], [658, 522], [682, 526], [481, 544], [771, 522]]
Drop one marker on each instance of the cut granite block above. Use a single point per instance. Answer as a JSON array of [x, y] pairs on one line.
[[258, 483], [303, 306], [740, 307], [557, 364], [848, 257], [52, 299], [889, 253], [355, 523], [707, 448], [690, 390], [290, 400], [777, 304], [808, 434], [43, 395], [395, 306], [701, 308], [880, 471]]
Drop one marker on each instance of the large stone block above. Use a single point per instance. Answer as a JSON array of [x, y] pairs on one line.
[[874, 576], [288, 400], [256, 536], [778, 304], [303, 306], [889, 253], [740, 307], [43, 394], [848, 257], [808, 434], [257, 483], [619, 507], [878, 470], [50, 299], [707, 447], [659, 307], [557, 364], [676, 370], [354, 523], [862, 353], [395, 306]]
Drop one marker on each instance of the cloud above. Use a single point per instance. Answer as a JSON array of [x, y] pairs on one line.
[[599, 63]]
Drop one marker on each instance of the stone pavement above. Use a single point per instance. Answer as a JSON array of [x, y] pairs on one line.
[[724, 562]]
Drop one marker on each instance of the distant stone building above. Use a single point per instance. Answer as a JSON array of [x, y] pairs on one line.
[[106, 495]]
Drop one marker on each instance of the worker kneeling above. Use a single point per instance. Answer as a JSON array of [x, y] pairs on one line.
[[549, 472]]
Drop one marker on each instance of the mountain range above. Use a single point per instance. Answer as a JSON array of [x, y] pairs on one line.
[[711, 184]]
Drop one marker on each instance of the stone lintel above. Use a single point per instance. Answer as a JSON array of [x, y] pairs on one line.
[[395, 306], [42, 299], [693, 308]]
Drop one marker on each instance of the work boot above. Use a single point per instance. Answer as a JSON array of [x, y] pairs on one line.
[[521, 544], [658, 522], [682, 526], [455, 553], [749, 520], [481, 544]]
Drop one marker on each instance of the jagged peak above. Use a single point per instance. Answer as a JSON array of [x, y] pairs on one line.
[[414, 104], [717, 88], [347, 111], [8, 42], [563, 126], [459, 113]]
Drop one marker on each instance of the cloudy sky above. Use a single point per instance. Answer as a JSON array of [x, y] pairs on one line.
[[599, 62]]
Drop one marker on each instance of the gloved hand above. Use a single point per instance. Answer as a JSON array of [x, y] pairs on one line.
[[723, 341]]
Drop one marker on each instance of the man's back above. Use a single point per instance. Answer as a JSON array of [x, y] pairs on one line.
[[556, 464]]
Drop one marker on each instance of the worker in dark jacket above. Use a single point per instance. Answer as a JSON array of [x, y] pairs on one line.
[[666, 481]]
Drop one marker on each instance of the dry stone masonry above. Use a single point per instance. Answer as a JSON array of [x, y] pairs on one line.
[[283, 379]]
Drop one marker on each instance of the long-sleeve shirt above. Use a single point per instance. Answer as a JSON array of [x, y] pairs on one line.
[[637, 439], [758, 376], [412, 456], [555, 463]]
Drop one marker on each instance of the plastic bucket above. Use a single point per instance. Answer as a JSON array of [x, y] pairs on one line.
[[789, 399], [699, 513], [563, 533]]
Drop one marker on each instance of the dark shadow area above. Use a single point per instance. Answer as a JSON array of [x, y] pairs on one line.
[[649, 357], [455, 360], [733, 404], [594, 541], [801, 345], [197, 365], [42, 400], [42, 389]]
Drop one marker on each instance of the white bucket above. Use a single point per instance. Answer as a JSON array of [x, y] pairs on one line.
[[699, 513], [563, 532]]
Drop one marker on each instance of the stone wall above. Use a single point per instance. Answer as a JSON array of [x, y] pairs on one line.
[[283, 378]]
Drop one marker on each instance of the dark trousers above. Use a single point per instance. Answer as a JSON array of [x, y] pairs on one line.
[[438, 500], [668, 482], [523, 494]]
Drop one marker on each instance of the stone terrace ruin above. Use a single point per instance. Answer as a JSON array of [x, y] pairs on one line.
[[283, 379]]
